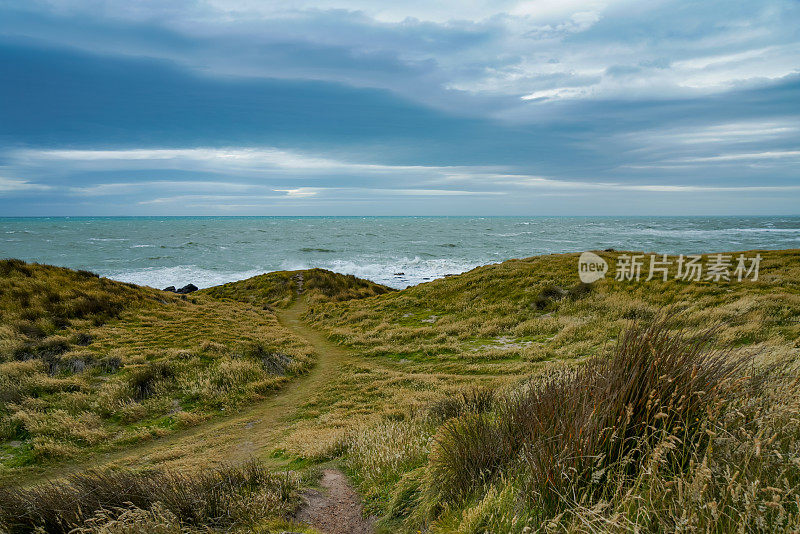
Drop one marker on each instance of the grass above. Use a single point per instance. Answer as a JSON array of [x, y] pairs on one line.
[[541, 299], [87, 363], [425, 349], [507, 399], [279, 289], [665, 434], [244, 498], [566, 430]]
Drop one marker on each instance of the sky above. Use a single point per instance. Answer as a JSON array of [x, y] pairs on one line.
[[356, 107]]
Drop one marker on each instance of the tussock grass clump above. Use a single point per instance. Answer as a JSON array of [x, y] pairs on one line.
[[548, 295], [467, 453], [473, 399], [577, 425], [132, 520], [564, 431], [144, 381], [274, 362], [217, 498]]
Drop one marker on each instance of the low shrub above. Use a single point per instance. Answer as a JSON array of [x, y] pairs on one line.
[[551, 294], [275, 363], [14, 266]]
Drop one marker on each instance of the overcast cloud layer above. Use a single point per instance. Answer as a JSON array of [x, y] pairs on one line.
[[362, 107]]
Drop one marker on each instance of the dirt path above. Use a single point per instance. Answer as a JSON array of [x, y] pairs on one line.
[[337, 508]]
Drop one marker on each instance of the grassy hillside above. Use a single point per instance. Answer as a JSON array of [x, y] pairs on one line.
[[435, 424], [279, 289], [87, 363], [508, 399], [536, 309]]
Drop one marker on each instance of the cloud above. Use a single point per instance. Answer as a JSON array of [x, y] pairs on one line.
[[547, 183], [300, 192], [725, 133], [126, 188], [449, 106], [477, 57], [559, 92], [224, 158], [775, 154], [257, 169], [12, 185]]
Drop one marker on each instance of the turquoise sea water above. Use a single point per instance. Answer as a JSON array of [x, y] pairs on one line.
[[163, 251]]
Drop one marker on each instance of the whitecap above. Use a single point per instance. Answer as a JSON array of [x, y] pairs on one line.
[[179, 275]]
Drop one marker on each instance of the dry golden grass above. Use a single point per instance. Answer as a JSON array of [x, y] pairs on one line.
[[88, 363], [508, 311], [244, 498]]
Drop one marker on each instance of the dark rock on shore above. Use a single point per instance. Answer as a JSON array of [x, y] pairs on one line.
[[188, 288]]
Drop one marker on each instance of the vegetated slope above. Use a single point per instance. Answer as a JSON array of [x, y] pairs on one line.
[[280, 288], [86, 362], [662, 432], [536, 309], [435, 445], [664, 435]]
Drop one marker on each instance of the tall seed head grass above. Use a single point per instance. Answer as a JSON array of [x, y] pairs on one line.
[[564, 432], [220, 497]]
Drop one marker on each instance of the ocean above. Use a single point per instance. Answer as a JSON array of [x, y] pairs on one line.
[[396, 251]]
